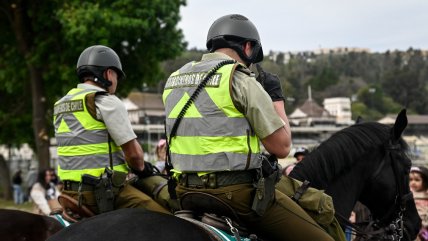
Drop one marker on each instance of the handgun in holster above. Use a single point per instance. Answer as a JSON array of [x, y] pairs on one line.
[[268, 175], [103, 192]]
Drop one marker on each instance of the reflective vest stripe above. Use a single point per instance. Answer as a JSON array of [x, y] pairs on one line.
[[209, 144], [180, 96], [87, 137], [72, 163], [69, 175], [89, 149], [212, 162], [203, 128]]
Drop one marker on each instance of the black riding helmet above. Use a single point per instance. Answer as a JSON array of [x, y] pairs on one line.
[[95, 60], [232, 31]]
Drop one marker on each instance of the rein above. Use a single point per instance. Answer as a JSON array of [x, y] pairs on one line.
[[394, 230]]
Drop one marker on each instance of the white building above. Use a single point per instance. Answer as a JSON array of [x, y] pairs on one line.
[[340, 108]]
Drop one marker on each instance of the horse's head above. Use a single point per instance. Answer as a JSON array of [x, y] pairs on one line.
[[387, 193], [366, 162]]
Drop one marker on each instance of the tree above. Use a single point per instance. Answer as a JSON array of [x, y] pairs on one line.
[[407, 81], [41, 40], [5, 182], [325, 78]]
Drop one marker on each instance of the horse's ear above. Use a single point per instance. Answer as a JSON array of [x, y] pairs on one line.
[[400, 125], [359, 120]]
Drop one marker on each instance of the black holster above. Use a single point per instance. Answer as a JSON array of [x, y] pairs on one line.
[[268, 176], [108, 188]]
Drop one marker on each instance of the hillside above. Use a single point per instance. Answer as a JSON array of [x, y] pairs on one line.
[[377, 83]]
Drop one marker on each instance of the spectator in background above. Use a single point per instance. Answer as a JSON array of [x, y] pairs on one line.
[[44, 193], [419, 186], [161, 156], [54, 178], [18, 195], [300, 153]]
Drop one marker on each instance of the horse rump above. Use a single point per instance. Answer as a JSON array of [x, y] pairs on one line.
[[132, 224]]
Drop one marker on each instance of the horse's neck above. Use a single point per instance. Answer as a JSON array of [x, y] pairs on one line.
[[344, 188], [345, 192]]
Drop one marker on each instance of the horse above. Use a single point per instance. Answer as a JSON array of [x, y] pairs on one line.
[[366, 162], [20, 225]]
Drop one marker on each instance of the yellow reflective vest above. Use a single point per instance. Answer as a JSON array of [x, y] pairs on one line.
[[82, 140], [213, 135]]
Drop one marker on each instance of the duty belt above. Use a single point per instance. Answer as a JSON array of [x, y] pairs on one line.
[[74, 186], [217, 179]]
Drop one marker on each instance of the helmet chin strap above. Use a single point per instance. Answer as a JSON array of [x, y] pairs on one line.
[[221, 42], [102, 82], [241, 52]]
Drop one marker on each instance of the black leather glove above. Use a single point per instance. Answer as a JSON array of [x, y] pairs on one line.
[[270, 83], [149, 170]]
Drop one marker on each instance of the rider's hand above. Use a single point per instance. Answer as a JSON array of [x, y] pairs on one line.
[[148, 171], [270, 83]]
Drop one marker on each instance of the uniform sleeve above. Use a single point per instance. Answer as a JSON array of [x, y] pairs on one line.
[[252, 100], [115, 116]]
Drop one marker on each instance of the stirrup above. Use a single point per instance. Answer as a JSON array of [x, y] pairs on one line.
[[71, 210], [221, 223]]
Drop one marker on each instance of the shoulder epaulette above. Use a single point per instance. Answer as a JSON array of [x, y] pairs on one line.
[[245, 70]]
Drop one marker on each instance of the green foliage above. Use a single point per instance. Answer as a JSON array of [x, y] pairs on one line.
[[143, 33], [326, 78], [49, 37], [381, 83], [359, 109], [400, 79]]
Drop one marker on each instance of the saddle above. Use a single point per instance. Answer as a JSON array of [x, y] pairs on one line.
[[71, 210], [212, 211]]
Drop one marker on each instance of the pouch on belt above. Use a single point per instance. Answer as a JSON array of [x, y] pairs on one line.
[[318, 204]]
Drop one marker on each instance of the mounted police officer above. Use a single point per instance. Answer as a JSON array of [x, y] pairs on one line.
[[96, 144], [214, 130]]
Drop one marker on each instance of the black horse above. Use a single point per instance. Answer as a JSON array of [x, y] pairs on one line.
[[19, 225], [366, 162]]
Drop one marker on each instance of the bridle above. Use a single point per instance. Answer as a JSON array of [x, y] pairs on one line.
[[378, 229]]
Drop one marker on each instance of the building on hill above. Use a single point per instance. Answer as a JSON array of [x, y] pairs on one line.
[[311, 114], [311, 124], [341, 50], [147, 114], [340, 108], [145, 108]]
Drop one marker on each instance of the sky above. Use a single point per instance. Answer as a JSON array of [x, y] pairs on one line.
[[301, 25]]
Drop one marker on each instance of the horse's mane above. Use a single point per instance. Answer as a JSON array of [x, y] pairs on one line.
[[343, 150]]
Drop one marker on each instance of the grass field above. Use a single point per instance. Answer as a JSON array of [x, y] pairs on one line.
[[6, 204]]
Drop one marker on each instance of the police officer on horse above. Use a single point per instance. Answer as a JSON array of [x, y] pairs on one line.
[[96, 144], [217, 113]]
